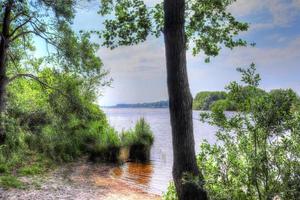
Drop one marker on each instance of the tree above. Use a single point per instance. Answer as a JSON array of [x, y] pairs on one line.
[[257, 154], [21, 23], [206, 26], [205, 99]]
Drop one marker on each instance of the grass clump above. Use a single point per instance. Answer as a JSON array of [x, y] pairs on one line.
[[31, 169], [104, 147], [11, 182], [139, 141]]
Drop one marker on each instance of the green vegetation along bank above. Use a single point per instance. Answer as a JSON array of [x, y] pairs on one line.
[[257, 151], [45, 127], [212, 100]]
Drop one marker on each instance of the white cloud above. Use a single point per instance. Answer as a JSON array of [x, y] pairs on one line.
[[246, 7], [138, 71], [140, 75], [283, 12], [296, 3], [144, 59], [279, 67]]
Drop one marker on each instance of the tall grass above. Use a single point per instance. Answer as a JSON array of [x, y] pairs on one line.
[[139, 141]]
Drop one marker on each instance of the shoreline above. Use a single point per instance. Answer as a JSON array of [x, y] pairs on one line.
[[77, 181]]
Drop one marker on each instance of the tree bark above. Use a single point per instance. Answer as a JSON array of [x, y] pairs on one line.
[[3, 62], [180, 105]]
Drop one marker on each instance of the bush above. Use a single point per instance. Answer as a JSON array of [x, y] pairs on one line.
[[139, 141], [61, 125], [257, 154]]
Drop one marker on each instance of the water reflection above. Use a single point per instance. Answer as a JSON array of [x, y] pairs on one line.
[[155, 176], [137, 173]]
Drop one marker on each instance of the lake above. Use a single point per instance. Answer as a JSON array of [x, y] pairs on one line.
[[155, 176]]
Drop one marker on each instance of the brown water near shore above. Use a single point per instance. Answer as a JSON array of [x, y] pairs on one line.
[[137, 174], [78, 181], [154, 176]]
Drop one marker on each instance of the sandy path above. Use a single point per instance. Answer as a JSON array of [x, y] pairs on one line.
[[77, 181]]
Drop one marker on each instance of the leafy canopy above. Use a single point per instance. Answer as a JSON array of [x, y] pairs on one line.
[[208, 24], [33, 21]]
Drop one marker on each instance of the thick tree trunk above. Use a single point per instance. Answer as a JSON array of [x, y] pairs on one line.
[[180, 104], [3, 54]]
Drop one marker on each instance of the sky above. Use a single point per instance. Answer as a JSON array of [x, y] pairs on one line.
[[139, 72]]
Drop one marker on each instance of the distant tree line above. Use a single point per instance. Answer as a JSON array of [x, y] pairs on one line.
[[158, 104], [208, 100]]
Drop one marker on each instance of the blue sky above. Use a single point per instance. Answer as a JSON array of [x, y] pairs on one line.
[[139, 71]]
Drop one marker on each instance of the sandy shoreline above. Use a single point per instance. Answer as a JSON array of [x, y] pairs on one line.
[[77, 181]]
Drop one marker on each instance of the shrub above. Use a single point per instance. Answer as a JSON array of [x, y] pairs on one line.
[[139, 141], [107, 148], [61, 124], [257, 154]]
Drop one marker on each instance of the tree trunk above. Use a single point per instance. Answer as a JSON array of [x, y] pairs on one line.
[[3, 54], [180, 106]]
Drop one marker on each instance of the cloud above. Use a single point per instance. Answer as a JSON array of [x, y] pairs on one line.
[[279, 67], [245, 7], [266, 55], [145, 59], [140, 75], [283, 12], [138, 71], [296, 3]]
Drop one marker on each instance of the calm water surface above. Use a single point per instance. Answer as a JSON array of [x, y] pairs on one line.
[[155, 176]]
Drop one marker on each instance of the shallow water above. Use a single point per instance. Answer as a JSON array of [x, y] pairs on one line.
[[155, 176]]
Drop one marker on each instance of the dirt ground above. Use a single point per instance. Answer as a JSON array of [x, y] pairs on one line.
[[77, 181]]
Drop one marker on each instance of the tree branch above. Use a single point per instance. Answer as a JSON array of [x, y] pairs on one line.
[[20, 26], [37, 79], [13, 60], [21, 34]]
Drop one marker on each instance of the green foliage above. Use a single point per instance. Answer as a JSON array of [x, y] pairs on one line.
[[171, 192], [257, 154], [56, 121], [3, 168], [31, 170], [128, 137], [139, 141], [51, 115], [204, 100], [11, 182], [131, 26], [208, 24], [106, 147], [50, 21], [143, 131], [58, 124], [141, 135], [223, 104]]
